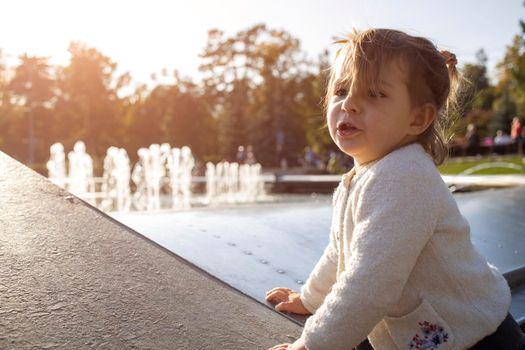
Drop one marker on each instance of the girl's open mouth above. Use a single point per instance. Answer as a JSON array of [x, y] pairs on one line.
[[346, 129]]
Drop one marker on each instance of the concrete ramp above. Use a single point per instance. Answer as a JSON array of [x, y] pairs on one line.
[[73, 278]]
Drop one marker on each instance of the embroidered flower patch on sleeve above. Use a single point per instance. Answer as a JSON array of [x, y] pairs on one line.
[[431, 338]]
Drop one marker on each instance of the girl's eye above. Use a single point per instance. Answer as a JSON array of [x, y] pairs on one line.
[[341, 92], [376, 94]]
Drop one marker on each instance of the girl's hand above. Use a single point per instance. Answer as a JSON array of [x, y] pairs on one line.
[[287, 301], [281, 347], [298, 345]]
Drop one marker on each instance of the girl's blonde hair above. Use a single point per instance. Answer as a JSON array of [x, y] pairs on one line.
[[431, 76]]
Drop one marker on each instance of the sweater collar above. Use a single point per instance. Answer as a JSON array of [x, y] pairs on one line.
[[360, 169]]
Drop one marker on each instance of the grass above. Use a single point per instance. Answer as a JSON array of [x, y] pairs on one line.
[[454, 166]]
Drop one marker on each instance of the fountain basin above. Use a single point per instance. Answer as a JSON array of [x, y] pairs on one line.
[[260, 246]]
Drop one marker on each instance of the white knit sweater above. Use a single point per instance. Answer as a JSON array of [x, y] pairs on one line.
[[400, 267]]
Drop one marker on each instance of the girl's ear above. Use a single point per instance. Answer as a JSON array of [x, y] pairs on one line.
[[423, 118]]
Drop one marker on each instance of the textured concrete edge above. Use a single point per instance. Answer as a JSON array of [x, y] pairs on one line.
[[297, 320]]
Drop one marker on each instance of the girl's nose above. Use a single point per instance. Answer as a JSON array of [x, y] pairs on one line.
[[350, 103]]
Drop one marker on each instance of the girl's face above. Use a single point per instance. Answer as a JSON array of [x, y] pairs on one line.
[[368, 125]]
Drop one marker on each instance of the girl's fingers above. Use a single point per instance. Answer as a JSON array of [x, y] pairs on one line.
[[277, 296], [284, 306], [276, 293], [280, 347], [279, 289]]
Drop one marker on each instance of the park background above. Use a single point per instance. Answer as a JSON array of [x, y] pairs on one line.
[[251, 82]]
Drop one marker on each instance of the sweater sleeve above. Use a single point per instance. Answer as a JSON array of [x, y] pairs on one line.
[[394, 215], [324, 274], [321, 279]]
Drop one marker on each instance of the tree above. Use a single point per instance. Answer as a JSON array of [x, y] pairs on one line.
[[510, 90], [476, 97], [191, 123], [89, 107], [228, 83], [33, 86], [5, 103], [174, 113], [311, 104], [253, 80], [504, 110], [480, 91]]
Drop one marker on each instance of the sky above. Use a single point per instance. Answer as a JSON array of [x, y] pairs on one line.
[[146, 36]]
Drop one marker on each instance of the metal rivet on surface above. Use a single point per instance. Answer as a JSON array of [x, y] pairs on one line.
[[515, 252], [70, 199], [280, 271], [216, 236], [299, 282], [263, 261], [232, 244], [247, 252]]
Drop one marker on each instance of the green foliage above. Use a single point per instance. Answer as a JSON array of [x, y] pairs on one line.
[[26, 107], [88, 106], [175, 114], [457, 166], [504, 111], [32, 80], [477, 94], [260, 88], [510, 90]]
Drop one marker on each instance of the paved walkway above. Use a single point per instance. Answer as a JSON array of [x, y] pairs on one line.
[[482, 180], [485, 180]]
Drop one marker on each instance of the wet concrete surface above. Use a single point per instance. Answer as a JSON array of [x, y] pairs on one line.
[[73, 278], [497, 221], [257, 247], [252, 247]]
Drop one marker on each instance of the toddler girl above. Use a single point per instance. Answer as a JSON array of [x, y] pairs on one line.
[[400, 268]]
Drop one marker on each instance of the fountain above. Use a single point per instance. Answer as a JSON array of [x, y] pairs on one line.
[[154, 174], [56, 166], [162, 167], [162, 178], [233, 183], [116, 192], [80, 180], [187, 162]]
